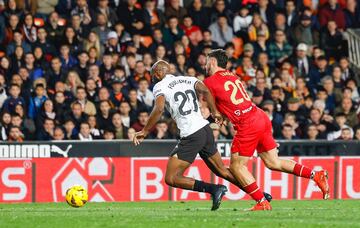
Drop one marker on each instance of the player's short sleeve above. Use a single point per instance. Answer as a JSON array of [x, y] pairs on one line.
[[158, 91]]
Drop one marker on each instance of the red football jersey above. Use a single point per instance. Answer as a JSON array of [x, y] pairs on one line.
[[230, 96]]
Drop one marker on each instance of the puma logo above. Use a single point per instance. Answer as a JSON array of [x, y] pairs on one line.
[[56, 149]]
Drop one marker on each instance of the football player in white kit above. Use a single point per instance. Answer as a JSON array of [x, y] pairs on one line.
[[180, 97]]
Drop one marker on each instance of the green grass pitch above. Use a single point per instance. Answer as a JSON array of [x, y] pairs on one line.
[[332, 213]]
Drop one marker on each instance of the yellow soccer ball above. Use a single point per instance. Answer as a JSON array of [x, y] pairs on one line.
[[76, 196]]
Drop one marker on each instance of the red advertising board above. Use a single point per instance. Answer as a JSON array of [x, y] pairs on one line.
[[142, 179]]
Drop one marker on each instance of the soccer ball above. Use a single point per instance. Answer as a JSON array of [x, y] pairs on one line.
[[76, 196]]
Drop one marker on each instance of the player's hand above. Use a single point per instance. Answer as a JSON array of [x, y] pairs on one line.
[[218, 118], [139, 137]]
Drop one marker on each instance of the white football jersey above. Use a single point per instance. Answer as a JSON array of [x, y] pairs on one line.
[[182, 102]]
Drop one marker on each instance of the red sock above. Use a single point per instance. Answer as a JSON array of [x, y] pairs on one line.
[[254, 191], [302, 171]]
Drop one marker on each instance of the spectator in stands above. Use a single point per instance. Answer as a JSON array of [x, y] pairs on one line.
[[46, 112], [161, 131], [290, 118], [292, 17], [312, 132], [153, 17], [87, 106], [85, 133], [279, 49], [77, 115], [242, 22], [303, 33], [70, 129], [328, 85], [191, 31], [120, 129], [276, 118], [199, 13], [13, 99], [339, 123], [287, 132], [221, 31], [332, 12], [67, 60], [315, 119], [172, 32], [357, 133], [104, 95], [109, 134], [131, 17], [37, 101], [331, 40], [69, 38], [142, 119], [15, 134], [94, 130], [47, 131], [13, 25], [144, 94], [87, 15], [73, 81], [58, 134], [102, 27], [257, 26], [175, 10], [81, 30], [301, 61], [352, 14], [347, 109], [319, 70], [351, 83], [125, 114], [220, 9], [13, 8], [280, 24], [45, 7], [93, 42], [17, 41], [104, 118], [346, 134], [60, 106], [109, 12]]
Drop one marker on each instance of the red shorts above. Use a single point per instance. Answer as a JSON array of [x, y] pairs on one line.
[[253, 133]]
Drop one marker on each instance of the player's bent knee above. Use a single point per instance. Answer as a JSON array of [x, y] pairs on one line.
[[170, 180]]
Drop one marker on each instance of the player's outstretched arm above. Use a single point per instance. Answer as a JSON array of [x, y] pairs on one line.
[[202, 89], [154, 117]]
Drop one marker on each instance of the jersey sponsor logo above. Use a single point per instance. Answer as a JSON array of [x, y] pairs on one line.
[[32, 151], [239, 112]]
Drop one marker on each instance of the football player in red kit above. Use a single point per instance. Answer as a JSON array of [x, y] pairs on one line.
[[253, 132]]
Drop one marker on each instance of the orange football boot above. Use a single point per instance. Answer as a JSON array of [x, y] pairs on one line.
[[321, 179], [262, 206]]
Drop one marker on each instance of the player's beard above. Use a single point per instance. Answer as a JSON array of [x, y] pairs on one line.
[[207, 70], [155, 80]]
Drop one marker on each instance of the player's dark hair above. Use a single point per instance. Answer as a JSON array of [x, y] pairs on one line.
[[220, 56]]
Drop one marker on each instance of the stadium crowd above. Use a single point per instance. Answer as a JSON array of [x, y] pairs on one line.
[[77, 69]]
